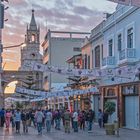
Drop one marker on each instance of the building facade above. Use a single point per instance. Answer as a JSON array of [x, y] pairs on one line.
[[57, 48], [115, 44], [88, 51]]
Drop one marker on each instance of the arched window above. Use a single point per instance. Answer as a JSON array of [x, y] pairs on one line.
[[97, 56], [33, 37]]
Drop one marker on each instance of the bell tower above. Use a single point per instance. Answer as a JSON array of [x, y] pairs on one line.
[[33, 31], [30, 52]]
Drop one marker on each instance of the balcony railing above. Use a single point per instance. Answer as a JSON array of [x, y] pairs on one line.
[[128, 53], [108, 61]]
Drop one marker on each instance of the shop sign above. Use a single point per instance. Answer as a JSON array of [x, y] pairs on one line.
[[130, 90]]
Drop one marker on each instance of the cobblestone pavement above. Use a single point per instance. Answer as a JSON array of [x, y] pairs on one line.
[[97, 134]]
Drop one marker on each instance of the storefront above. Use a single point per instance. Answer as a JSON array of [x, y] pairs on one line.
[[130, 106], [110, 94], [80, 102]]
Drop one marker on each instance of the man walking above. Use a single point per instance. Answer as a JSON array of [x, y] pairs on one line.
[[100, 118], [25, 117], [67, 117], [39, 120], [75, 121], [90, 118], [2, 117], [48, 120], [17, 120]]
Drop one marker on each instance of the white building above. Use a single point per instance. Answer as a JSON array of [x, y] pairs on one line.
[[114, 44]]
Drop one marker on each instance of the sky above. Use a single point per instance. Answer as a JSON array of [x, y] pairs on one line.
[[68, 15]]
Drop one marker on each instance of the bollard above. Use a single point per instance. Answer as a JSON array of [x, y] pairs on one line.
[[116, 127]]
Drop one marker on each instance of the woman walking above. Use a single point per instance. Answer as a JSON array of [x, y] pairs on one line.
[[8, 116]]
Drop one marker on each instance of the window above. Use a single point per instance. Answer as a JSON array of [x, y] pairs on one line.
[[92, 59], [102, 51], [130, 38], [110, 44], [88, 62], [33, 38], [119, 42], [85, 61], [97, 56]]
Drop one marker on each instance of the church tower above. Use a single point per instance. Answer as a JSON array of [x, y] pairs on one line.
[[30, 52]]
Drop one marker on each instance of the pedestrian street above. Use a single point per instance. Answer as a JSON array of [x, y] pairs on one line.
[[97, 134]]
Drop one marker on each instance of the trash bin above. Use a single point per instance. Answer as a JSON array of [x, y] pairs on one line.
[[109, 127]]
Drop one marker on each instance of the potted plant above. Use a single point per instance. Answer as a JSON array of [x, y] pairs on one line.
[[110, 109]]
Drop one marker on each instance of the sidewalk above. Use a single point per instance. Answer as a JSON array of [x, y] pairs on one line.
[[97, 134]]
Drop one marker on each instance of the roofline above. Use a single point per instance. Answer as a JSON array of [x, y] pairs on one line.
[[73, 57], [68, 32]]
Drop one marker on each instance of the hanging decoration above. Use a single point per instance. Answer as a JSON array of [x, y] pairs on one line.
[[94, 73], [65, 93]]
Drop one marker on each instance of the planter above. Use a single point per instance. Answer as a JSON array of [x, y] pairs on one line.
[[109, 127]]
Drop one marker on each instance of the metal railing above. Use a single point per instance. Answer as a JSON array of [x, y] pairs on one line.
[[110, 60], [127, 53]]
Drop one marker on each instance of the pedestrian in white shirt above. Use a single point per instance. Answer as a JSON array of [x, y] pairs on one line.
[[75, 121]]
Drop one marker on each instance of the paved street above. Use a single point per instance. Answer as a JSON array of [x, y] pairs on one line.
[[97, 134]]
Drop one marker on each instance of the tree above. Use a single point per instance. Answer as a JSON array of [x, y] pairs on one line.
[[110, 107], [19, 105]]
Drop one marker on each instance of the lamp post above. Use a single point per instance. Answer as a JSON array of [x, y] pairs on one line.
[[1, 49]]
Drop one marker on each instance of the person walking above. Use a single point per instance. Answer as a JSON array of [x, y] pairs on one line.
[[8, 116], [39, 120], [105, 118], [32, 118], [67, 117], [90, 118], [82, 120], [100, 118], [57, 120], [13, 119], [75, 121], [2, 116], [48, 120], [25, 117], [17, 120]]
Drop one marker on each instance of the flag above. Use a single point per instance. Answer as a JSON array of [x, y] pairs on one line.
[[135, 3], [124, 2]]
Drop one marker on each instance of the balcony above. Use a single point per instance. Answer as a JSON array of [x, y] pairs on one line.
[[108, 61], [127, 54]]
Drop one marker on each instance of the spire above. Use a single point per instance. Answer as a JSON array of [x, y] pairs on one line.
[[33, 25]]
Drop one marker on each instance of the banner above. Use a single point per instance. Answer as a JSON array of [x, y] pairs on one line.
[[16, 99], [94, 73], [65, 93]]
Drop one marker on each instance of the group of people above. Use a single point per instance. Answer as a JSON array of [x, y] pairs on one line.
[[49, 118]]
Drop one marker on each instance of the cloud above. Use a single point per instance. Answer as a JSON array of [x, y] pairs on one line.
[[73, 15]]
